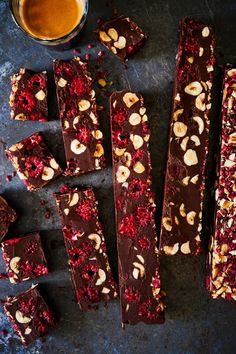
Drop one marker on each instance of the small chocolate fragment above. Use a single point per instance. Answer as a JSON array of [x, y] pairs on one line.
[[24, 257], [139, 277], [90, 270], [29, 315], [188, 141], [7, 216], [28, 99], [33, 162], [122, 36], [222, 249], [79, 119]]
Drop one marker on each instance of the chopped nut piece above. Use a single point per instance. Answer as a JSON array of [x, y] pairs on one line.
[[200, 102], [205, 32], [84, 105], [77, 147], [122, 174], [190, 157], [113, 34], [200, 123], [190, 217], [104, 37], [130, 99], [194, 88], [171, 250], [180, 129], [166, 221], [185, 248], [135, 119]]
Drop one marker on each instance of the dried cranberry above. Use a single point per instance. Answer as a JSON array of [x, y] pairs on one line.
[[33, 141], [89, 271], [34, 166], [77, 257], [144, 243], [83, 135], [37, 81], [85, 209], [127, 227], [119, 116], [26, 101], [131, 295], [78, 86], [137, 188]]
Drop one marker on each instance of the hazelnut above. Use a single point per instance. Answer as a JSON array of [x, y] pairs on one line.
[[140, 258], [121, 43], [99, 151], [102, 82], [74, 200], [197, 238], [28, 330], [119, 152], [176, 220], [232, 138], [194, 179], [14, 264], [142, 111], [113, 34], [137, 141], [200, 102], [166, 222], [146, 137], [139, 168], [62, 82], [122, 174], [226, 204], [210, 68], [184, 143], [97, 134], [200, 123], [94, 118], [190, 157], [104, 37], [201, 51], [190, 60], [185, 248], [113, 49], [180, 129], [105, 290], [17, 146], [141, 270], [47, 174], [76, 147], [190, 217], [171, 250], [231, 72], [97, 239], [128, 159], [76, 121], [66, 124], [53, 164], [40, 95], [130, 99], [101, 277], [135, 119], [194, 88], [196, 140], [177, 113], [182, 210], [177, 97], [84, 105], [20, 116], [66, 211], [205, 32], [21, 318]]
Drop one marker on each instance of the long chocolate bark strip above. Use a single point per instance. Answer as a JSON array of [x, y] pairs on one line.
[[79, 118], [222, 251], [188, 141], [90, 270], [139, 276]]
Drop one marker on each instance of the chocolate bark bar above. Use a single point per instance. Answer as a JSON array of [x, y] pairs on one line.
[[90, 271], [7, 216], [139, 276], [33, 162], [188, 141], [79, 118], [24, 257], [122, 36], [28, 99], [29, 315], [222, 251]]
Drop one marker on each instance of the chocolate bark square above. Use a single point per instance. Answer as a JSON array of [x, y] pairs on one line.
[[34, 163], [24, 257], [7, 216]]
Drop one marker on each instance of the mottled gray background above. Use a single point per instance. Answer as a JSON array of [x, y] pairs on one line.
[[194, 323]]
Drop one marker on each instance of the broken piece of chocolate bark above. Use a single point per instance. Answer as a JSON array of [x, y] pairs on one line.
[[222, 249], [79, 119], [188, 141], [29, 315], [28, 99], [122, 36], [139, 273], [7, 216], [24, 257], [33, 162], [89, 266]]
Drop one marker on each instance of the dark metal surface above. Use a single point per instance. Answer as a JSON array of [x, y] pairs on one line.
[[194, 323]]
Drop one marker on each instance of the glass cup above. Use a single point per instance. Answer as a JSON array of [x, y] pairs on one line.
[[64, 42]]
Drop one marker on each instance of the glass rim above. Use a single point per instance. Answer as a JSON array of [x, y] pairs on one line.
[[54, 41]]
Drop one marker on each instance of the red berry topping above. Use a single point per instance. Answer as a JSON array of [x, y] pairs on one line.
[[33, 140], [120, 139], [137, 187], [40, 270], [156, 283], [127, 227], [137, 155], [34, 166], [26, 101], [26, 267], [78, 86], [37, 81], [27, 306], [145, 128], [144, 215], [85, 209], [147, 310], [38, 116], [119, 116], [47, 316], [63, 67], [87, 292], [83, 135], [71, 109], [131, 295], [77, 257], [89, 271], [144, 243], [71, 234], [41, 327], [31, 247]]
